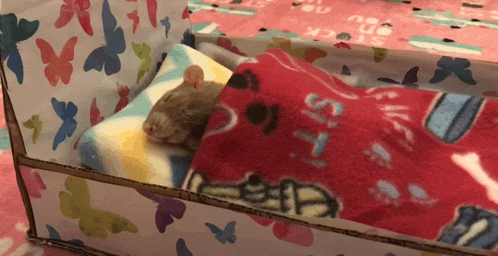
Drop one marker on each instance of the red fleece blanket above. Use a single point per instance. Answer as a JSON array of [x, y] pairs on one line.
[[288, 137]]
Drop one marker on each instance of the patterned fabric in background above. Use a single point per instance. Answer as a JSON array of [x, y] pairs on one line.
[[452, 28]]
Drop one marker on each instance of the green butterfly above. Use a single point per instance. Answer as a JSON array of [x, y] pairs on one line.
[[36, 124], [143, 53], [93, 222]]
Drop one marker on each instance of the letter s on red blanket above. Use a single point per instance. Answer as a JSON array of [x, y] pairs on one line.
[[288, 137]]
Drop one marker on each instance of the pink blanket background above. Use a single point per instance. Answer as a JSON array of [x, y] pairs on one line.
[[455, 28]]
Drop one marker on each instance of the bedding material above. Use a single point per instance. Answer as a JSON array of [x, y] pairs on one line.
[[118, 146], [288, 137]]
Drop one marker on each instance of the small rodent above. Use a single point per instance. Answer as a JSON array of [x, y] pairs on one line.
[[182, 114]]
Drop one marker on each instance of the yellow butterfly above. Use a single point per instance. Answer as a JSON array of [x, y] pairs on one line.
[[379, 54], [308, 54], [93, 222], [35, 124], [143, 53]]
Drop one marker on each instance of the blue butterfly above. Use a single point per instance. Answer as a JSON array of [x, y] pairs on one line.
[[53, 234], [67, 115], [167, 25], [107, 55], [187, 39], [226, 235], [13, 33], [448, 66], [181, 248]]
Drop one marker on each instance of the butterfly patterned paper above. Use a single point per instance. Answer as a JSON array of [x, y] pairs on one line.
[[95, 118], [53, 234], [181, 248], [226, 235], [167, 25], [75, 8], [35, 124], [33, 181], [59, 67], [167, 208], [291, 233], [106, 57], [92, 222], [13, 33], [143, 53], [67, 114], [151, 10], [123, 92], [448, 66], [410, 79], [133, 16]]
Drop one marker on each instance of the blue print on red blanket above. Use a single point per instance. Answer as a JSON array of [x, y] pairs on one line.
[[473, 227], [452, 116]]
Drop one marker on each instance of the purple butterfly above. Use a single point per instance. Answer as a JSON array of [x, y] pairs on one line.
[[409, 80], [166, 208]]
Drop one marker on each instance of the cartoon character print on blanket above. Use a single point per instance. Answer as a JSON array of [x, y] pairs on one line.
[[398, 159]]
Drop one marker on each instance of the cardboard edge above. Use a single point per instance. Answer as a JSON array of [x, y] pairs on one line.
[[182, 194], [17, 148], [80, 249]]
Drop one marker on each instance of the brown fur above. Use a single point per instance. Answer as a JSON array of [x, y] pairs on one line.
[[182, 114]]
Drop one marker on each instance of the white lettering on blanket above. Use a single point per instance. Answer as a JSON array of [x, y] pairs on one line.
[[391, 112], [309, 7], [320, 141], [471, 163], [371, 28]]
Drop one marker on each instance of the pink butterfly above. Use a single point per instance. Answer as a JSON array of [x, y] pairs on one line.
[[290, 233], [123, 92], [185, 14], [32, 181], [59, 67], [78, 7], [95, 118], [151, 9], [134, 17]]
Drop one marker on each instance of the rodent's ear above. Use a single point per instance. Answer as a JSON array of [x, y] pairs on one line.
[[195, 76]]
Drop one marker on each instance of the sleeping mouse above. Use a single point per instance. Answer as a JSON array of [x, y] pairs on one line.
[[181, 115]]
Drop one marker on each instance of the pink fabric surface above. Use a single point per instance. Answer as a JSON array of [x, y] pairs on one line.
[[464, 29]]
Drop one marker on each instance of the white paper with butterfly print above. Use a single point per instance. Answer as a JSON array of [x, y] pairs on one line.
[[182, 228], [56, 95]]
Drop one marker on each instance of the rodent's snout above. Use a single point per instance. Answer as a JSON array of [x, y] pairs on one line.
[[148, 129]]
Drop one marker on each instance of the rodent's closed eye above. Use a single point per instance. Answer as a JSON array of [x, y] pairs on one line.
[[167, 98]]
